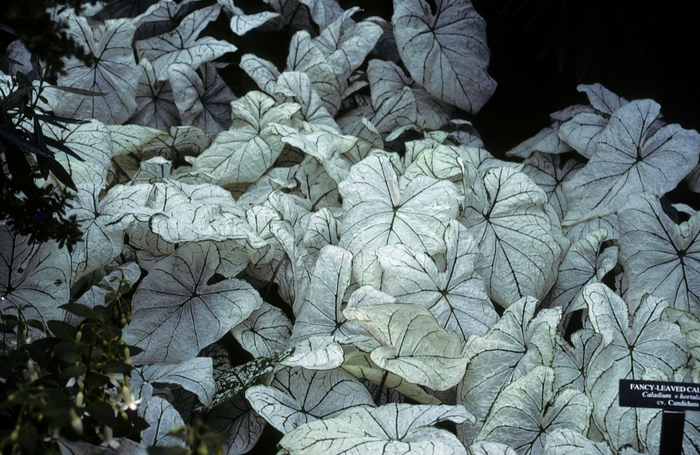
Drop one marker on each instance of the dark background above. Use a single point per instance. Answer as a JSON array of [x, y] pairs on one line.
[[542, 49]]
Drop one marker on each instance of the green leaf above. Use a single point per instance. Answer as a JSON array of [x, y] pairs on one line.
[[62, 330]]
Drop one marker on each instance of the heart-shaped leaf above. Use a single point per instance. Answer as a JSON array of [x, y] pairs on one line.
[[445, 51]]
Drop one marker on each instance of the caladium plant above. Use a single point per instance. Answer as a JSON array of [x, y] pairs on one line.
[[504, 297]]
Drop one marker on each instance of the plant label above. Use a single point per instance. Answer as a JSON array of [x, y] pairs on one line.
[[675, 396]]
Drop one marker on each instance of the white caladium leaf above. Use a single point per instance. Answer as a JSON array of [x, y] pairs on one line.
[[346, 43], [602, 99], [265, 332], [320, 313], [360, 365], [262, 71], [175, 313], [529, 408], [389, 429], [322, 193], [101, 242], [195, 375], [202, 102], [386, 78], [296, 14], [444, 162], [161, 417], [296, 86], [514, 346], [244, 152], [323, 12], [304, 56], [155, 105], [628, 349], [565, 441], [583, 132], [690, 327], [585, 262], [571, 360], [241, 23], [142, 141], [378, 213], [659, 256], [34, 279], [325, 147], [518, 240], [445, 51], [455, 295], [491, 448], [317, 352], [238, 422], [176, 212], [322, 229], [114, 74], [394, 111], [91, 141], [549, 172], [631, 157], [413, 345], [297, 396], [182, 46], [546, 141]]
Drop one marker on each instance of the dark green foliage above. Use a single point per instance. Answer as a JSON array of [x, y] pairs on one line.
[[73, 383], [27, 154], [199, 439], [30, 22]]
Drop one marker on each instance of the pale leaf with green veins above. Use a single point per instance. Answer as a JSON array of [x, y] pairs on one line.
[[250, 147], [378, 213], [297, 396], [114, 74], [204, 102], [34, 279], [389, 429], [631, 344], [175, 313], [161, 417], [195, 375], [360, 365], [633, 154], [445, 51], [455, 296], [529, 408], [521, 245], [514, 346], [660, 257], [565, 441], [182, 45], [413, 345]]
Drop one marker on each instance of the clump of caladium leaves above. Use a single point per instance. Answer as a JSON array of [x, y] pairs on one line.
[[420, 279]]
